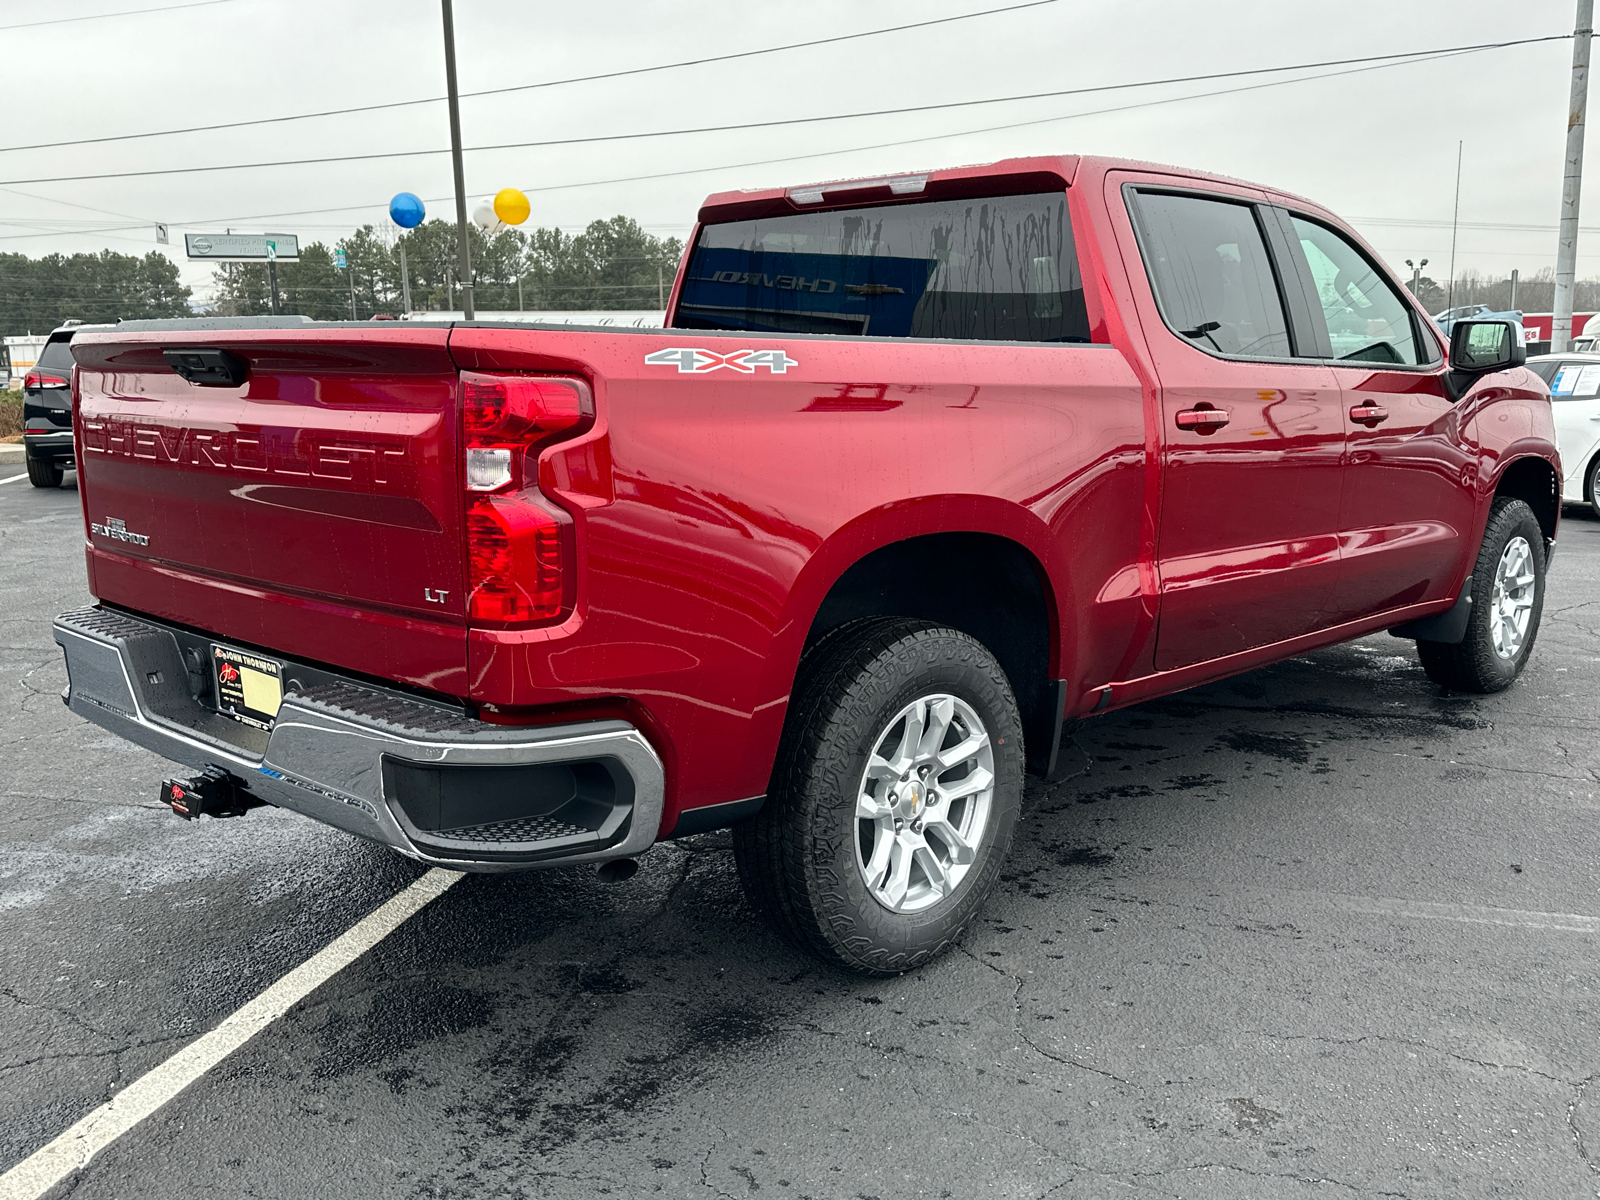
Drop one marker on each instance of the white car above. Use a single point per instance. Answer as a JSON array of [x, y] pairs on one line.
[[1574, 381]]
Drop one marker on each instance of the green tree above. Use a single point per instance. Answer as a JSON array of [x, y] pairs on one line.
[[612, 264], [1429, 294], [37, 294], [312, 287]]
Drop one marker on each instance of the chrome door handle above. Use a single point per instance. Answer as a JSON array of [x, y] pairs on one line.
[[1202, 420]]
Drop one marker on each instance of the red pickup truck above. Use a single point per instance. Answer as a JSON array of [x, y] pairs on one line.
[[921, 469]]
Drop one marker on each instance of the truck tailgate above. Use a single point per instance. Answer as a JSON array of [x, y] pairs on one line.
[[314, 510]]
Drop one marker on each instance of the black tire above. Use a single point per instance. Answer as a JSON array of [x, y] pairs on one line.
[[1475, 665], [797, 857], [1593, 486], [44, 474]]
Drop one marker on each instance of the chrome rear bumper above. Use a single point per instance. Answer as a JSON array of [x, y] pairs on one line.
[[377, 763]]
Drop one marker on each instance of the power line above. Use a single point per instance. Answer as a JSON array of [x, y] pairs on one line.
[[549, 83], [132, 12], [1393, 59], [816, 154], [764, 162], [70, 204]]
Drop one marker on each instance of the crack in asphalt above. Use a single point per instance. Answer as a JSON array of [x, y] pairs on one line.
[[1417, 1043], [1461, 762], [1016, 1010], [1219, 1166], [17, 1066], [1581, 1087], [11, 994], [705, 1169]]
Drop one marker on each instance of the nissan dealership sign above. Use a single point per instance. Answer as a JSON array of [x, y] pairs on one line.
[[243, 247]]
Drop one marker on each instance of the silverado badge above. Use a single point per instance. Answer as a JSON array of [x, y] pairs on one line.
[[118, 532]]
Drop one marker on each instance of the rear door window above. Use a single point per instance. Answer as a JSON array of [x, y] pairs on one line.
[[1001, 268], [1208, 266]]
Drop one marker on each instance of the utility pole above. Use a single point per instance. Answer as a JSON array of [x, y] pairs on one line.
[[1455, 222], [519, 293], [405, 279], [1572, 182], [661, 289], [351, 272], [465, 246], [1513, 303]]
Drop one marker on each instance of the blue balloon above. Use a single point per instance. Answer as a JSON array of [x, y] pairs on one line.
[[406, 211]]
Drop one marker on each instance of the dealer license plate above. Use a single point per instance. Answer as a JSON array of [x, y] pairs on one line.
[[249, 687]]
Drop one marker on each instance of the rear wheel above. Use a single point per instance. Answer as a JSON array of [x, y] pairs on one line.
[[1507, 601], [44, 474], [894, 797], [1594, 486]]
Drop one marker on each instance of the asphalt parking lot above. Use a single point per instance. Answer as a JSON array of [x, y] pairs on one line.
[[1319, 930]]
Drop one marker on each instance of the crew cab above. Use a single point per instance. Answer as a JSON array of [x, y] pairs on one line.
[[921, 470]]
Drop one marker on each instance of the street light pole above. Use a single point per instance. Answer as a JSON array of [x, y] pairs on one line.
[[455, 159], [1572, 182]]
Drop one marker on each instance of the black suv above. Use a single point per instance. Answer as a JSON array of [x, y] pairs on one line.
[[47, 411]]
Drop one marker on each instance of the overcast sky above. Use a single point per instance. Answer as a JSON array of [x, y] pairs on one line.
[[1377, 146]]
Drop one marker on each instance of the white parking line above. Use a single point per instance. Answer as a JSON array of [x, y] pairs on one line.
[[13, 479], [39, 1172]]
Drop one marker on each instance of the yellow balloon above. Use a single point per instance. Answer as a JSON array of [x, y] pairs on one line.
[[511, 206]]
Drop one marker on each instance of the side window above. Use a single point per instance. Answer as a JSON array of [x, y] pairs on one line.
[[1575, 381], [1209, 269], [1367, 319], [1544, 368]]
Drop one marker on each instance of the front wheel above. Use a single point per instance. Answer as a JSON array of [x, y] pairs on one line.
[[1507, 601], [1594, 486], [893, 800]]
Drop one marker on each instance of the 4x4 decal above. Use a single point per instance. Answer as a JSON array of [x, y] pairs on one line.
[[697, 361]]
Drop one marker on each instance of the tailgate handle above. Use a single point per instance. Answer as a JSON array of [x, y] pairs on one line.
[[208, 366]]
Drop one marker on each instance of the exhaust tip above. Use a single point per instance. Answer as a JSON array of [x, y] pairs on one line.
[[617, 870]]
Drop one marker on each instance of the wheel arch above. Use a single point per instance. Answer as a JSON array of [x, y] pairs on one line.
[[897, 561], [1533, 479]]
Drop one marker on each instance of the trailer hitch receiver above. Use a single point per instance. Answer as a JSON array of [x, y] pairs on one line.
[[212, 792]]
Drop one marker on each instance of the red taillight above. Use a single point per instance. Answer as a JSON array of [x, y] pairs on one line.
[[516, 540], [43, 379], [518, 408], [514, 554]]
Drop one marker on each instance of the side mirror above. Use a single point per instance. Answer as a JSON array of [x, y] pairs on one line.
[[1477, 347]]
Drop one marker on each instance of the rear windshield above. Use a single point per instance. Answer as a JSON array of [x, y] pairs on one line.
[[57, 355], [996, 269]]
